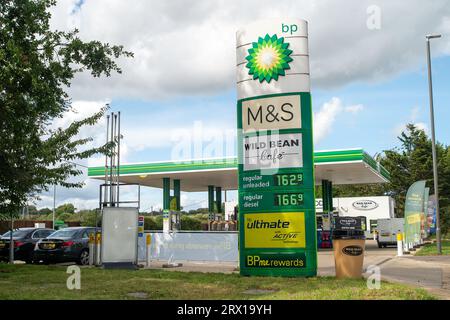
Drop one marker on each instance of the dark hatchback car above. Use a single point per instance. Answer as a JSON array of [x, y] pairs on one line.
[[25, 240], [65, 245]]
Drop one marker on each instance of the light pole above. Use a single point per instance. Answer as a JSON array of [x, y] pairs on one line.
[[54, 205], [433, 143]]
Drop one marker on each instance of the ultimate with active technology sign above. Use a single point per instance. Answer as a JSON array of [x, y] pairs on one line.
[[277, 233]]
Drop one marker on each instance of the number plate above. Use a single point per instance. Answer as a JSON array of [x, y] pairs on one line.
[[48, 246]]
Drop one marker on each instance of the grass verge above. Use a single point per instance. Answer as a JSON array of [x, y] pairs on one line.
[[430, 249], [49, 282]]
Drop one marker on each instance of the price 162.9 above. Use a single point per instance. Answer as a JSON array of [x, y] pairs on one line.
[[288, 179]]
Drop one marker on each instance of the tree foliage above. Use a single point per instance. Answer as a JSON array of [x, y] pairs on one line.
[[413, 161], [44, 211], [65, 208], [37, 66]]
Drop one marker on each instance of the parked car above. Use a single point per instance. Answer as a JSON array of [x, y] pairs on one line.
[[65, 245], [25, 240]]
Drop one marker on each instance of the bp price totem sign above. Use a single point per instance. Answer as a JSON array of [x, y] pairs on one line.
[[277, 223]]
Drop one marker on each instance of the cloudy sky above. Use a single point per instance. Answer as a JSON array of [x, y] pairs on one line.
[[368, 74]]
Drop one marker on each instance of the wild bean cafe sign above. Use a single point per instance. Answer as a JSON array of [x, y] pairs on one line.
[[276, 179]]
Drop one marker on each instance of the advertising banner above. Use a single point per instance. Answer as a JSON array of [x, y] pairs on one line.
[[274, 230], [414, 206], [275, 150], [423, 216], [431, 215]]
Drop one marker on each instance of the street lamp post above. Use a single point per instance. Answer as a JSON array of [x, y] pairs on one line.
[[54, 204], [11, 241], [433, 144]]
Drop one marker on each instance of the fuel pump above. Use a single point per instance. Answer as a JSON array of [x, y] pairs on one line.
[[171, 221], [175, 220]]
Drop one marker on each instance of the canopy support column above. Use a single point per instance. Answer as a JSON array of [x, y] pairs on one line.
[[166, 193], [324, 196], [177, 193], [211, 198], [219, 199], [327, 196], [330, 196]]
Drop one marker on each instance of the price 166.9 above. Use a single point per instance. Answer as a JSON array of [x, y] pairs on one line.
[[288, 199]]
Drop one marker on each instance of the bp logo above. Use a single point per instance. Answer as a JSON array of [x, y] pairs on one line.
[[268, 58]]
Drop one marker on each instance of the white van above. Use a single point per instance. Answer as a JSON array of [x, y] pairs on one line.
[[387, 230]]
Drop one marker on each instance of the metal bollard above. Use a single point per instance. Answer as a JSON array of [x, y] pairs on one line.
[[91, 249], [148, 242], [405, 244], [399, 245], [98, 241]]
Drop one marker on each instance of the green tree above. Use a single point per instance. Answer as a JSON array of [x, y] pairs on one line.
[[44, 211], [37, 66], [32, 210], [63, 216], [190, 223], [150, 223], [65, 208], [412, 161]]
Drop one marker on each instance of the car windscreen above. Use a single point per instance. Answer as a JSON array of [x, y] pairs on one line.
[[17, 233], [63, 234]]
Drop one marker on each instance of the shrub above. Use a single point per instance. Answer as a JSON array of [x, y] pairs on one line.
[[190, 223], [64, 216], [150, 224], [159, 222], [88, 219]]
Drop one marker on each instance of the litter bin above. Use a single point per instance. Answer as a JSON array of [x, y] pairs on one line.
[[349, 244]]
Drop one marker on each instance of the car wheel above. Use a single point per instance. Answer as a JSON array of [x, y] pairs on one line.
[[379, 245], [30, 258], [84, 258]]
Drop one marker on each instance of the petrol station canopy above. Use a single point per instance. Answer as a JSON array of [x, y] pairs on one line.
[[351, 166]]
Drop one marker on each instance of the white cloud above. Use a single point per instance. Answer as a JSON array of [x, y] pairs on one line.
[[422, 126], [325, 118], [188, 47]]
